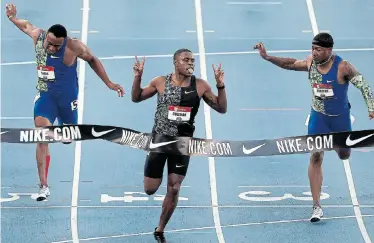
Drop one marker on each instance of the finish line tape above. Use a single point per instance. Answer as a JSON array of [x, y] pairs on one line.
[[189, 146]]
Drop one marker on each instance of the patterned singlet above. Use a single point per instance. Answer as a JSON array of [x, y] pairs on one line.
[[176, 109], [53, 74], [328, 96]]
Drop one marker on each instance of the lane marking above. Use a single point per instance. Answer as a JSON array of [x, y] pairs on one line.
[[16, 118], [210, 227], [271, 109], [207, 54], [208, 122], [253, 3], [187, 206], [283, 186], [347, 168], [78, 146]]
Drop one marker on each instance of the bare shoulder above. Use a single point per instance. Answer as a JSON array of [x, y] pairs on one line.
[[347, 70], [202, 83], [76, 45]]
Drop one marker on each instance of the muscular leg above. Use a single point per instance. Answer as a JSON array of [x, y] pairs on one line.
[[153, 171], [171, 200], [45, 111], [316, 176], [177, 169], [42, 151]]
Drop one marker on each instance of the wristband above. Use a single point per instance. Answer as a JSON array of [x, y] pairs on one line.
[[220, 87]]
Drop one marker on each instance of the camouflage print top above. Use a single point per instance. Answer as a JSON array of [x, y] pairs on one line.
[[41, 60], [328, 96]]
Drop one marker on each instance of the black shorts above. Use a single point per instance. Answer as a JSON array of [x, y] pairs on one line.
[[155, 163]]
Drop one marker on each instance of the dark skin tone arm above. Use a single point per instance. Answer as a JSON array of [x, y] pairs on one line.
[[285, 62], [216, 102], [85, 54], [349, 74]]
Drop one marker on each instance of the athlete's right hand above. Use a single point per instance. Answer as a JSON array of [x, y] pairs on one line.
[[11, 10], [138, 67], [260, 46]]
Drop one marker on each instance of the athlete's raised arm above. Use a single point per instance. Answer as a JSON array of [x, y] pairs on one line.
[[218, 103], [285, 62], [138, 93], [24, 25]]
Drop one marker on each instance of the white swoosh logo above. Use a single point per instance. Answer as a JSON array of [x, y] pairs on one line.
[[99, 134], [3, 132], [249, 151], [156, 145], [350, 142]]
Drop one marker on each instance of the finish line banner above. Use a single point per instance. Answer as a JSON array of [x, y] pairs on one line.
[[189, 145]]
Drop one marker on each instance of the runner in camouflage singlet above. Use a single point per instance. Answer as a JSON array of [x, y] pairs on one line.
[[57, 81], [176, 109], [178, 102], [329, 78]]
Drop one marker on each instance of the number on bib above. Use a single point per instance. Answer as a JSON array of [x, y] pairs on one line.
[[46, 73], [179, 113], [323, 91]]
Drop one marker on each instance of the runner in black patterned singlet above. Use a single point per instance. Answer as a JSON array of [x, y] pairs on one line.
[[178, 102]]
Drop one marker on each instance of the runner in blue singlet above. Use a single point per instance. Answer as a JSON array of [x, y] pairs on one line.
[[329, 78], [57, 82]]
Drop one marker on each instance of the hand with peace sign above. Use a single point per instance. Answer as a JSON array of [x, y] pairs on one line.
[[138, 67], [219, 75]]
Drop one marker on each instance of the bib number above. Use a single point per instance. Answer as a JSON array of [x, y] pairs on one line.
[[46, 73], [179, 113], [323, 91]]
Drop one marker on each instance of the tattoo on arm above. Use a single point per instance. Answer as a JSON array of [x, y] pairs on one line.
[[289, 63], [353, 76]]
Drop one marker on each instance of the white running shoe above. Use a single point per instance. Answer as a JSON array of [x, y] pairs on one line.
[[317, 214], [43, 193]]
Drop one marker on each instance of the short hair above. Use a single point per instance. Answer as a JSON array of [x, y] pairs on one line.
[[58, 31], [178, 52], [324, 40]]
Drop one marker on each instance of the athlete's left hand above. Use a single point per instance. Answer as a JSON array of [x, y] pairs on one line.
[[371, 115], [219, 74], [117, 88]]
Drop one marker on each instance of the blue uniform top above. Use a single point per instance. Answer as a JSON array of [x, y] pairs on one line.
[[329, 97], [53, 75]]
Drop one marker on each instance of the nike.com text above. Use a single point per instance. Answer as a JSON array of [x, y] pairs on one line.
[[133, 139], [316, 143], [209, 148], [47, 135]]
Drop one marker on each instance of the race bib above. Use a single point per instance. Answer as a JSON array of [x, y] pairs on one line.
[[46, 73], [323, 91], [179, 113]]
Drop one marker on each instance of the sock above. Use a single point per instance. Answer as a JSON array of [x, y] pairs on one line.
[[47, 160]]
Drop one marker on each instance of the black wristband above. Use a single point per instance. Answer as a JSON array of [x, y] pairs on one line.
[[220, 87]]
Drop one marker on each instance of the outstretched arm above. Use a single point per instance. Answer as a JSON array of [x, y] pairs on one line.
[[24, 25], [86, 54], [289, 63], [284, 62], [352, 75]]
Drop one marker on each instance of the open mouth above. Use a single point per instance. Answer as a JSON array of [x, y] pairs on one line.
[[190, 70]]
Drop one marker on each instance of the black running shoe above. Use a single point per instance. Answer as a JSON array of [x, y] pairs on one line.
[[159, 236]]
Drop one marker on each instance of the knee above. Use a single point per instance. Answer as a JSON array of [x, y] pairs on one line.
[[316, 158], [173, 189], [344, 154], [150, 191]]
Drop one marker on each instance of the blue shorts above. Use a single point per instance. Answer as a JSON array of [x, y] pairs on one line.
[[320, 123], [63, 107]]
